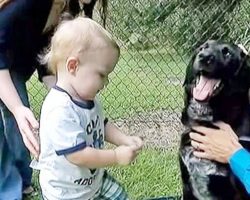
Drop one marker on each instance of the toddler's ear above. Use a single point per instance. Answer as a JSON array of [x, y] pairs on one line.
[[71, 64]]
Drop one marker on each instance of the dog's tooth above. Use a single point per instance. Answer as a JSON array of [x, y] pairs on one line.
[[217, 84], [197, 80]]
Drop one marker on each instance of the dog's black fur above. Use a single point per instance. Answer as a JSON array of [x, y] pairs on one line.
[[214, 60]]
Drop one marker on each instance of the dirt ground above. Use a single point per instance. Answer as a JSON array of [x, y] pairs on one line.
[[159, 129]]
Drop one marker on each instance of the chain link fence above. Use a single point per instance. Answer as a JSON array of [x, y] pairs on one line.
[[157, 37]]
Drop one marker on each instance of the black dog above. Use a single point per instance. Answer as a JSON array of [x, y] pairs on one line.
[[216, 89]]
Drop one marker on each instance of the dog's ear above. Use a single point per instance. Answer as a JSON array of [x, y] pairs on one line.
[[186, 84], [189, 71], [245, 69], [184, 116]]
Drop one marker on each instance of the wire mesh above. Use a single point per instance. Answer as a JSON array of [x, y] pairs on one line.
[[157, 38]]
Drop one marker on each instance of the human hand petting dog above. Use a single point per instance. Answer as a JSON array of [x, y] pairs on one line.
[[215, 144]]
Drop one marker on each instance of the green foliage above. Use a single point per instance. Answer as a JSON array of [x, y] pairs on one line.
[[202, 20], [183, 24], [144, 19]]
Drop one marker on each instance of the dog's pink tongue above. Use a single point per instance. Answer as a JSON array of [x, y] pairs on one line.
[[204, 88]]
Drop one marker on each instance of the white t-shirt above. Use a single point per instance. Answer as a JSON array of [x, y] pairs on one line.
[[68, 126]]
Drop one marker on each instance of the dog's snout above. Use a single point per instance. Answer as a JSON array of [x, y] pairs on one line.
[[206, 57]]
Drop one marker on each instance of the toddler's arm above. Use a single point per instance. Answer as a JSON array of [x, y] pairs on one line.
[[114, 136], [98, 158]]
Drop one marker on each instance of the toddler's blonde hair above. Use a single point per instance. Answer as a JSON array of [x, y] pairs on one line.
[[72, 38]]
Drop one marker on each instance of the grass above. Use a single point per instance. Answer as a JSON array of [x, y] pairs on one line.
[[141, 82], [155, 173]]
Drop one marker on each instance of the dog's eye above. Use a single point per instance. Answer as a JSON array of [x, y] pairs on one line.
[[205, 46], [226, 52], [202, 47]]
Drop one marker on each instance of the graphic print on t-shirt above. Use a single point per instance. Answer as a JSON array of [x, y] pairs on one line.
[[94, 129]]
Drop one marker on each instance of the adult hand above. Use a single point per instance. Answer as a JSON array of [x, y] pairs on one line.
[[215, 144], [3, 3], [28, 127]]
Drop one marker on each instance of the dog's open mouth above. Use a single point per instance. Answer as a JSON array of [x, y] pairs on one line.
[[205, 88]]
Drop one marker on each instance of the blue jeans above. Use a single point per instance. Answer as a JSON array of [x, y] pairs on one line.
[[15, 173]]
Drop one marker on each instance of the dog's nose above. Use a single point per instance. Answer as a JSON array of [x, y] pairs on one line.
[[206, 57]]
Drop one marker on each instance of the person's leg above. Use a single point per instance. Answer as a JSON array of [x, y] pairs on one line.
[[10, 179], [111, 189], [14, 138]]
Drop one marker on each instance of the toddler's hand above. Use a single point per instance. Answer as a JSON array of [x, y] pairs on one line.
[[125, 154], [134, 141]]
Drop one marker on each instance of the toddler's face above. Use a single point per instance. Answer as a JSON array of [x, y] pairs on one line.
[[92, 75]]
